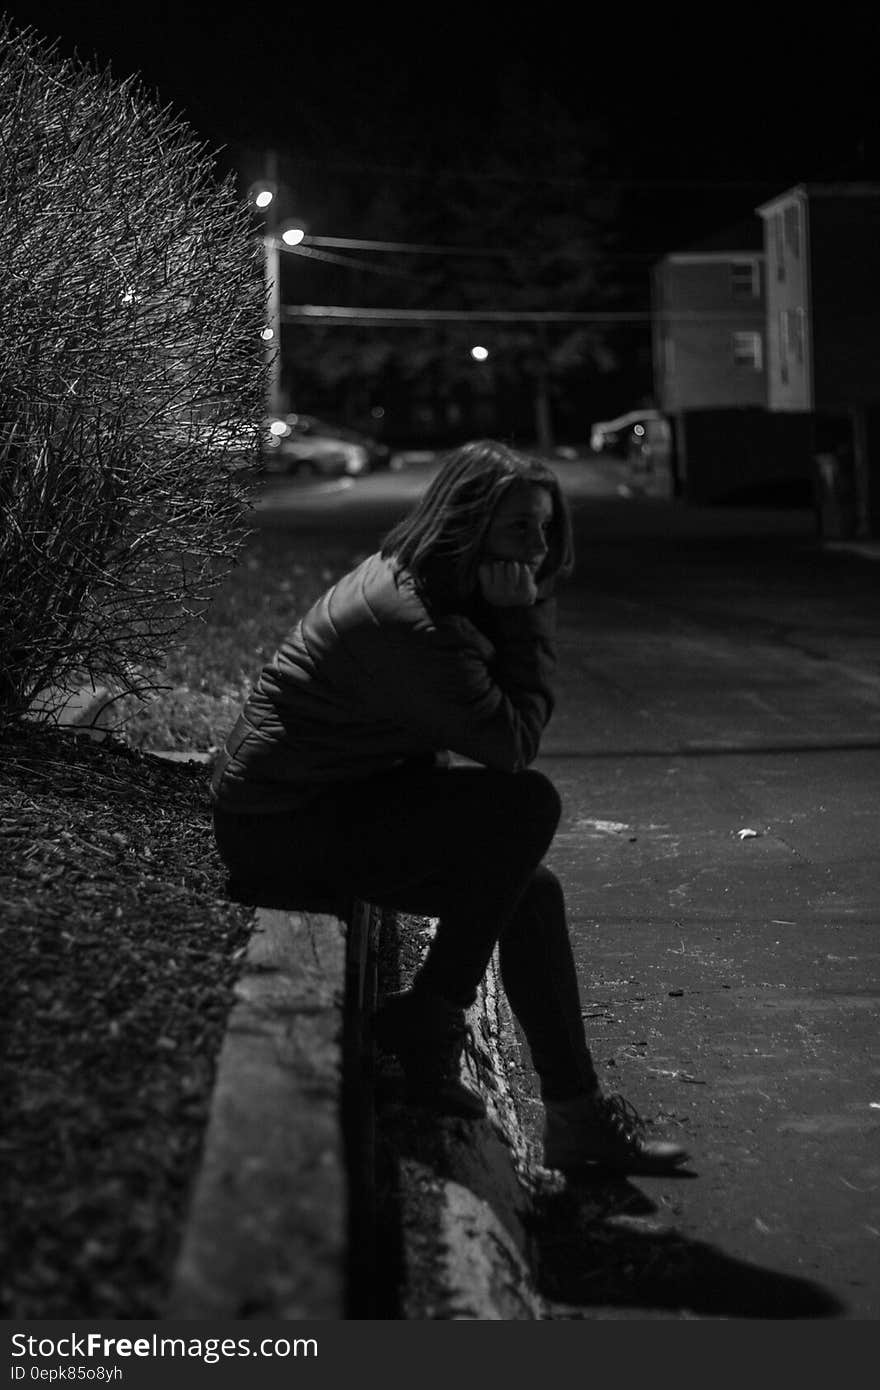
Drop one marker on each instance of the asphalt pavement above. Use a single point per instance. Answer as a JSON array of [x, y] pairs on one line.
[[717, 747]]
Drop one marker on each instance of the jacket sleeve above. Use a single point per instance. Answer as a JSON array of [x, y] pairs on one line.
[[484, 696]]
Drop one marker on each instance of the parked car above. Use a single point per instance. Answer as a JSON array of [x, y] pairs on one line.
[[303, 443], [625, 432], [642, 441]]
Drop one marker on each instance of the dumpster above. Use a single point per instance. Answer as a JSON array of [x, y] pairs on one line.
[[835, 479]]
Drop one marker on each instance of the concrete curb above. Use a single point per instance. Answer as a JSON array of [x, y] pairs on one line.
[[464, 1193], [282, 1222], [81, 710], [487, 1262], [266, 1231]]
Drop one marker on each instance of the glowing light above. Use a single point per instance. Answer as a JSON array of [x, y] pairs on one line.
[[279, 428], [267, 335], [638, 430], [292, 236], [377, 412], [264, 197], [479, 354]]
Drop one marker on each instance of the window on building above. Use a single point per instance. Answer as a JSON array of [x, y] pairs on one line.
[[792, 221], [783, 348], [744, 281], [748, 350], [779, 245], [792, 334]]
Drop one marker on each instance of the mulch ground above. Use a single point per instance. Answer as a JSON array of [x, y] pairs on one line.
[[120, 952]]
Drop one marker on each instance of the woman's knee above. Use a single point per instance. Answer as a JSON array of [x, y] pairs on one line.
[[525, 808], [539, 792], [523, 796]]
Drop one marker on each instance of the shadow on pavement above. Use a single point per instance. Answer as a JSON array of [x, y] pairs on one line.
[[714, 750], [592, 1246], [596, 1246]]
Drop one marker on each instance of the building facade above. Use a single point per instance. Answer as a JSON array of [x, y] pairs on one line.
[[710, 371], [822, 248], [709, 323]]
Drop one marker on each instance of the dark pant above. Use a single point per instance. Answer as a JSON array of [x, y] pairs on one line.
[[460, 844]]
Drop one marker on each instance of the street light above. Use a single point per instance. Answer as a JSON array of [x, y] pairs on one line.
[[272, 331], [263, 192], [290, 234], [263, 195]]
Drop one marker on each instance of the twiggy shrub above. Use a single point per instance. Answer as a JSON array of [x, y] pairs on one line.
[[131, 376]]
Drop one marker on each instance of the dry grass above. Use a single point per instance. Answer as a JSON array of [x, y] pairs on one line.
[[211, 671]]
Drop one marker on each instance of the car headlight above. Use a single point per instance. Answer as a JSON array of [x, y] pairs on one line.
[[356, 459]]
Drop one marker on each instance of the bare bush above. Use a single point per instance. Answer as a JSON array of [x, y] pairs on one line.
[[131, 376]]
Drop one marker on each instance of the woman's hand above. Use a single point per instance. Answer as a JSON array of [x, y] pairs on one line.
[[507, 583]]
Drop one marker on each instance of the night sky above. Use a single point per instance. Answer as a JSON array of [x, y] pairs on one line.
[[698, 114], [695, 117]]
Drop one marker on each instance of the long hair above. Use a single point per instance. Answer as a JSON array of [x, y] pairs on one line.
[[440, 541]]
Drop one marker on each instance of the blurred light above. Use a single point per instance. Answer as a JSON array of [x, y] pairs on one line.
[[292, 236], [279, 428], [267, 335], [378, 412], [479, 354], [638, 430], [262, 192]]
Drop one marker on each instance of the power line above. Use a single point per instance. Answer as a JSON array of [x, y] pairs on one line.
[[408, 247], [420, 248], [350, 262], [604, 256], [403, 318]]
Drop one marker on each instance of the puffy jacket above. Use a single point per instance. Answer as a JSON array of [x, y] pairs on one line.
[[371, 678]]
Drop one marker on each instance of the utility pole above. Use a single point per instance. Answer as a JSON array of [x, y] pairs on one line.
[[543, 417], [272, 268]]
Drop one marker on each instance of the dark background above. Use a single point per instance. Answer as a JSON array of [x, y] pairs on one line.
[[690, 119], [698, 111]]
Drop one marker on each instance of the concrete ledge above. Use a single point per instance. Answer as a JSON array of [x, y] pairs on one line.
[[487, 1264], [267, 1230], [464, 1187], [283, 1220]]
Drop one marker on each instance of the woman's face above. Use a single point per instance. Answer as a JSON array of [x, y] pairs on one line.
[[520, 525]]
